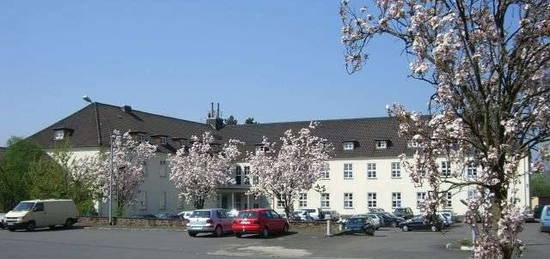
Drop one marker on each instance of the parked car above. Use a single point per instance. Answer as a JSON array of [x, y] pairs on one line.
[[167, 216], [529, 215], [143, 216], [447, 221], [358, 224], [301, 215], [2, 220], [233, 213], [209, 221], [449, 215], [373, 218], [545, 219], [42, 213], [314, 214], [259, 221], [405, 213], [185, 214], [376, 210], [389, 220], [331, 214], [419, 223]]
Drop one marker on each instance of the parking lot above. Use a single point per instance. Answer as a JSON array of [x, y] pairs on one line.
[[302, 243]]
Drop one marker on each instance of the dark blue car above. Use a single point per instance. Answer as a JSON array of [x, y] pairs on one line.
[[358, 225]]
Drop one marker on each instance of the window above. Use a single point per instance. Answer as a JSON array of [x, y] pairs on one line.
[[446, 168], [420, 198], [163, 201], [412, 144], [395, 170], [163, 168], [472, 194], [145, 169], [396, 200], [38, 207], [58, 134], [349, 145], [302, 201], [325, 200], [261, 148], [238, 175], [142, 138], [325, 174], [280, 203], [471, 170], [348, 171], [449, 200], [371, 200], [163, 140], [348, 200], [246, 175], [381, 144], [143, 200], [371, 170]]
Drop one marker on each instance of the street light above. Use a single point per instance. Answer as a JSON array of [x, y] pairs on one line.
[[89, 100]]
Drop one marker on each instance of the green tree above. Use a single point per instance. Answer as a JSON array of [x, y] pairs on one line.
[[231, 120], [250, 121], [540, 185]]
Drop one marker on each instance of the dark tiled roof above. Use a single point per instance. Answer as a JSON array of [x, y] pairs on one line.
[[83, 123]]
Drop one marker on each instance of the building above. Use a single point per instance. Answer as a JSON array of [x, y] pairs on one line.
[[364, 172]]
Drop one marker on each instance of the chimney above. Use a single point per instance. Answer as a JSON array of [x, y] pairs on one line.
[[127, 108], [214, 119]]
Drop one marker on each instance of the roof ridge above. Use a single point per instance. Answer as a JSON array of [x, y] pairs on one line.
[[150, 113]]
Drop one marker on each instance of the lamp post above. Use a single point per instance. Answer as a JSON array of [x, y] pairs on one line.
[[89, 100]]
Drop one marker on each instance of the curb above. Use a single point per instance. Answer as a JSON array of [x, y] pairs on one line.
[[135, 229]]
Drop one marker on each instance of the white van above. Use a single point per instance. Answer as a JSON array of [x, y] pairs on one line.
[[42, 213]]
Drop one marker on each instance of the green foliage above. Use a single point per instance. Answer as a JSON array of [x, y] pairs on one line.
[[250, 121], [231, 120], [540, 185], [27, 172]]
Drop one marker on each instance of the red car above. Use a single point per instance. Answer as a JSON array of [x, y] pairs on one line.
[[259, 221]]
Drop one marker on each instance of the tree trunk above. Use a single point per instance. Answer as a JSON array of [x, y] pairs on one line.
[[199, 203]]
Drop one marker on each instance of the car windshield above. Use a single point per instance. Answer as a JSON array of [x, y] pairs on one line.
[[356, 220], [248, 214], [24, 206], [200, 214]]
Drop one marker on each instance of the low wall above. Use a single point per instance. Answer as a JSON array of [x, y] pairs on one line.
[[102, 221]]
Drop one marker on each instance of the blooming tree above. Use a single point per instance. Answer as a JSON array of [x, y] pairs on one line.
[[127, 165], [200, 170], [486, 61], [292, 169]]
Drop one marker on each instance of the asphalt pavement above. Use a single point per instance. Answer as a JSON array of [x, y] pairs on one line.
[[153, 243]]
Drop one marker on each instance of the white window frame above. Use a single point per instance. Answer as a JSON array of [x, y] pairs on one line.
[[302, 200], [348, 200], [348, 146], [325, 174], [348, 171], [372, 201], [396, 170], [472, 193], [412, 144], [58, 134], [471, 170], [371, 170], [238, 174], [280, 203], [143, 200], [445, 168], [325, 200], [381, 144], [163, 140], [396, 201], [246, 175], [449, 200], [163, 168], [163, 197], [420, 198]]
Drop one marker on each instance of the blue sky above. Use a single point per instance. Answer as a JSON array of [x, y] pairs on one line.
[[271, 60]]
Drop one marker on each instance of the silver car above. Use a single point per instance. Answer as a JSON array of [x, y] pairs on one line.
[[209, 221]]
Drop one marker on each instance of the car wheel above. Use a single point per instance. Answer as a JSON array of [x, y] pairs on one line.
[[238, 235], [51, 227], [218, 231], [69, 223], [265, 232], [405, 228], [434, 229], [31, 225], [285, 229], [193, 234], [11, 229]]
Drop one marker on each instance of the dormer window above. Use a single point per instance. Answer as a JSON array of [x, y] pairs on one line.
[[58, 134], [142, 138], [349, 145], [261, 148], [61, 133], [412, 144], [381, 144], [163, 140]]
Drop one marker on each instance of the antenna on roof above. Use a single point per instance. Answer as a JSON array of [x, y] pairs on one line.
[[87, 99]]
